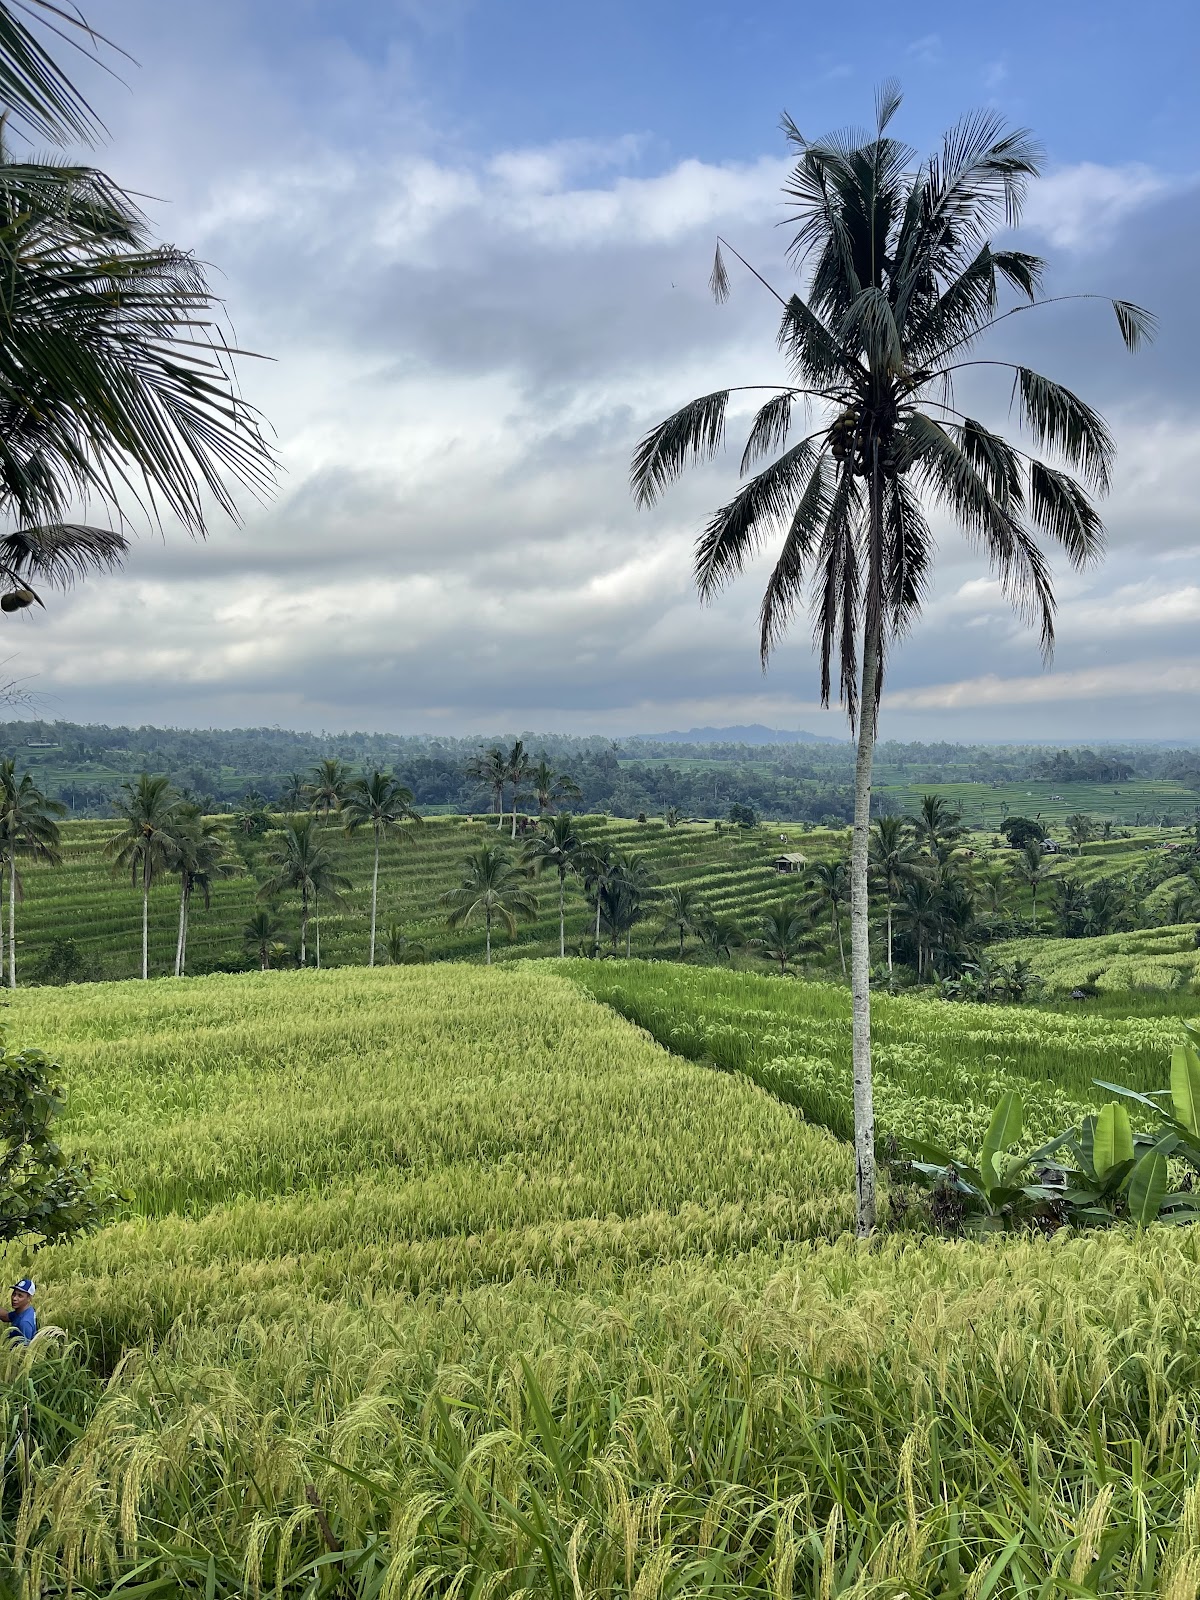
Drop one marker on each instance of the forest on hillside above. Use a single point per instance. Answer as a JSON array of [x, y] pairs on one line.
[[85, 765]]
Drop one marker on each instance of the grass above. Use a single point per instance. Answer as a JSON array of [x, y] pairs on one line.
[[450, 1282], [987, 804], [1149, 959], [939, 1068]]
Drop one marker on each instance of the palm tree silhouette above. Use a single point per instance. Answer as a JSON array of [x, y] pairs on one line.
[[328, 785], [27, 828], [893, 859], [144, 847], [557, 848], [384, 804], [903, 282], [302, 865], [200, 857], [494, 888]]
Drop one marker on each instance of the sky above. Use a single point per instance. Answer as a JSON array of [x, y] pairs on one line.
[[474, 237]]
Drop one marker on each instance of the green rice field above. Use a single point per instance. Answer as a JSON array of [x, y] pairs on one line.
[[445, 1281]]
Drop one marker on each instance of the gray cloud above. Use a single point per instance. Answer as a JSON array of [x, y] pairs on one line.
[[466, 350]]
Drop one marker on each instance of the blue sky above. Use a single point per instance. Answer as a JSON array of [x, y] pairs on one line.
[[475, 237]]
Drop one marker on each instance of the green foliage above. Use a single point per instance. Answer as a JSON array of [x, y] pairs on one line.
[[44, 1195], [1020, 831]]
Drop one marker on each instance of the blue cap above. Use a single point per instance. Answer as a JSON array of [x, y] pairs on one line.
[[26, 1286]]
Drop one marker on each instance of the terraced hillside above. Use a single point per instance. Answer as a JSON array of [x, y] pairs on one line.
[[81, 899], [449, 1282], [1115, 963]]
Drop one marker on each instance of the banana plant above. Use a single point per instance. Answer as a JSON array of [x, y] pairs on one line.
[[1177, 1137], [995, 1195]]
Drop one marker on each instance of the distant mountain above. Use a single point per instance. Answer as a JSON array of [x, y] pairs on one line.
[[754, 734]]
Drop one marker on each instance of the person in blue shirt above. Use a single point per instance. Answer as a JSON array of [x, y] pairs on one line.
[[22, 1319]]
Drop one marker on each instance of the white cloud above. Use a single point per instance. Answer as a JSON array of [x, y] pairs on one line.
[[1078, 207]]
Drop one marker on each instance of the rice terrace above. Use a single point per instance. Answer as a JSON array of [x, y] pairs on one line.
[[599, 803]]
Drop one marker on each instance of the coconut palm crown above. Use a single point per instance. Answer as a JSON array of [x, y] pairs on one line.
[[902, 282]]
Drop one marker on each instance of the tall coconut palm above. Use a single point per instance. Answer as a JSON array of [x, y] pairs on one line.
[[625, 900], [27, 828], [491, 767], [518, 766], [149, 813], [893, 861], [902, 283], [1080, 828], [302, 865], [556, 847], [684, 913], [200, 857], [292, 792], [383, 804], [327, 787], [493, 887], [1031, 868], [551, 788], [722, 934], [830, 885], [600, 867]]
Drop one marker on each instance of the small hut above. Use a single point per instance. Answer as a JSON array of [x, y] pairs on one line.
[[793, 861]]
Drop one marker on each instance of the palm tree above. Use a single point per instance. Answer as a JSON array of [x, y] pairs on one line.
[[601, 867], [556, 847], [783, 934], [551, 788], [27, 828], [1032, 869], [893, 860], [114, 378], [684, 913], [491, 767], [919, 918], [722, 934], [903, 281], [492, 887], [328, 785], [937, 827], [830, 883], [624, 901], [200, 856], [303, 866], [401, 950], [385, 804], [291, 794], [149, 813], [517, 769], [1080, 829], [261, 933], [36, 92]]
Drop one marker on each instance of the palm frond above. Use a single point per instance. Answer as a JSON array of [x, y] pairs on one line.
[[869, 325], [907, 558], [736, 530], [694, 433], [770, 430], [813, 350], [718, 281], [34, 88], [1062, 422], [888, 100], [793, 565], [1061, 508], [994, 459], [61, 553], [835, 605], [1138, 326]]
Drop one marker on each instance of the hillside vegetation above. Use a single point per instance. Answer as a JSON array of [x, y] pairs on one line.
[[448, 1280], [81, 899], [1148, 958]]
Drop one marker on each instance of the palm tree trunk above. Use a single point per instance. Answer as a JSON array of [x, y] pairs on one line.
[[628, 942], [3, 868], [860, 951], [179, 935], [562, 913], [514, 826], [145, 921], [304, 928], [837, 928], [596, 941], [12, 919], [374, 896], [889, 927], [317, 927], [487, 922]]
